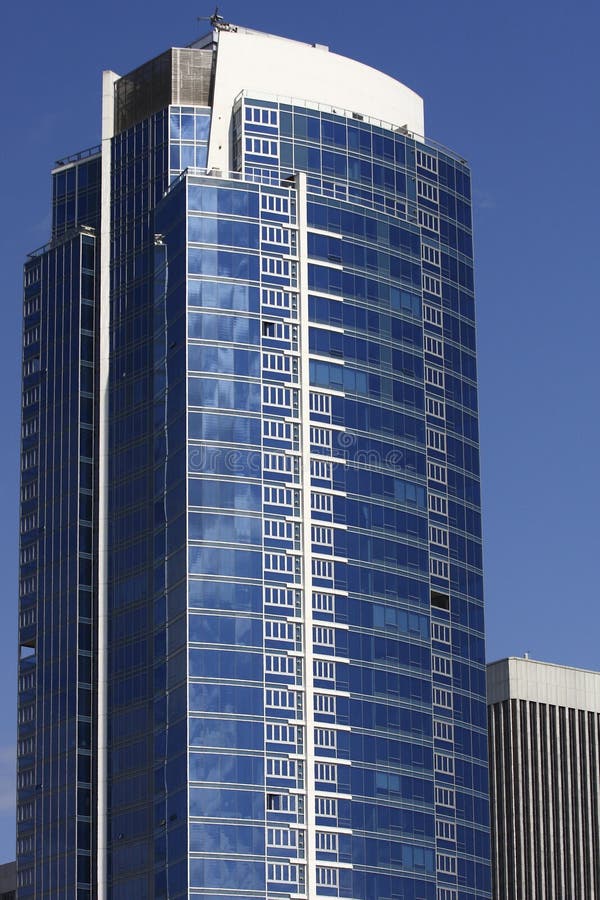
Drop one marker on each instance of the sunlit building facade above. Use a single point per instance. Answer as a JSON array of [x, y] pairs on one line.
[[251, 629], [544, 732]]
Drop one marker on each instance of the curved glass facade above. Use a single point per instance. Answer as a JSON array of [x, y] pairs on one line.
[[295, 657]]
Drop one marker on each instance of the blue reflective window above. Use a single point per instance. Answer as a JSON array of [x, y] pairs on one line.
[[226, 768], [218, 561], [212, 326], [224, 360], [223, 295], [228, 461], [226, 665], [234, 699], [224, 263], [205, 230], [224, 200], [227, 873], [227, 804], [243, 839], [223, 528], [224, 494], [220, 393], [225, 595], [238, 631], [202, 127], [228, 733]]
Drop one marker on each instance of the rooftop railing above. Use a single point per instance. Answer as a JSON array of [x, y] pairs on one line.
[[355, 116], [335, 189], [55, 242], [77, 157]]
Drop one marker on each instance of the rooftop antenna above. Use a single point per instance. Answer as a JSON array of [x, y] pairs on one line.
[[217, 21]]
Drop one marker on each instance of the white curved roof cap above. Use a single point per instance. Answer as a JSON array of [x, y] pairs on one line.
[[263, 64]]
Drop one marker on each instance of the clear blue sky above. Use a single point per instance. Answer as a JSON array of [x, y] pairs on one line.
[[511, 86]]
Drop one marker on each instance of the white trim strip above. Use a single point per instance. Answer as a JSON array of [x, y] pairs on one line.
[[108, 81]]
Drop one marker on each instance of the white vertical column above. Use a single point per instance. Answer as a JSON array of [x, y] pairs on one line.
[[309, 715], [108, 91]]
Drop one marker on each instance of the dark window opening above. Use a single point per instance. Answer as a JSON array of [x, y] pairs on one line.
[[440, 601]]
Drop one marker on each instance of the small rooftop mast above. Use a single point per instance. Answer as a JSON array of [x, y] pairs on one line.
[[217, 21]]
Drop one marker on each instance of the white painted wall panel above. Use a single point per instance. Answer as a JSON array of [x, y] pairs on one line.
[[253, 62]]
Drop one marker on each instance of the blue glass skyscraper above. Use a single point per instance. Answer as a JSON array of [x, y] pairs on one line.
[[251, 631]]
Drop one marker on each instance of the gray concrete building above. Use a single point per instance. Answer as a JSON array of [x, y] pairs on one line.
[[544, 737], [8, 881]]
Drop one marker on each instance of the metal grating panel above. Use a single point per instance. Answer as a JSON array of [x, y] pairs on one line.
[[179, 76], [192, 77]]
